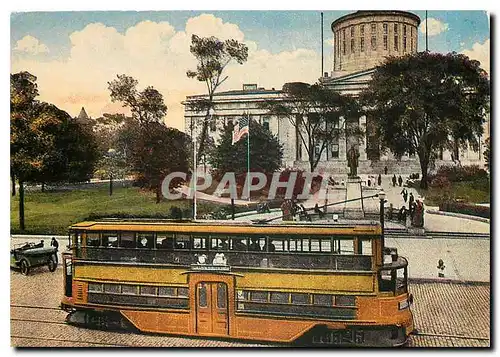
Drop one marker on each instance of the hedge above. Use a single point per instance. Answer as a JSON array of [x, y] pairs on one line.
[[465, 208]]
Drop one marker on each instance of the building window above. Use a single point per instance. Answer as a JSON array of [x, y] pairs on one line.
[[374, 43], [265, 123], [395, 28], [352, 31], [362, 30], [386, 29], [352, 45], [343, 41], [404, 44], [396, 39], [385, 43], [362, 44], [374, 28]]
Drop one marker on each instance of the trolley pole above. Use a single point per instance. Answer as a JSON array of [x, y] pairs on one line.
[[195, 178], [381, 196]]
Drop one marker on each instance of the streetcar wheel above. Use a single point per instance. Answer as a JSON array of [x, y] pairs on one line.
[[25, 269], [52, 264]]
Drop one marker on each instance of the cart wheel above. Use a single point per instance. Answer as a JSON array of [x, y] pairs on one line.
[[25, 269], [52, 264]]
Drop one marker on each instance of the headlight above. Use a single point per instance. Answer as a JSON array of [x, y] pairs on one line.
[[403, 304]]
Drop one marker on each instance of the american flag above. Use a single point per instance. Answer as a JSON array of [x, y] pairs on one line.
[[240, 129]]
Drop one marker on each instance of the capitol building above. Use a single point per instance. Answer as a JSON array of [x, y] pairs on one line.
[[361, 41]]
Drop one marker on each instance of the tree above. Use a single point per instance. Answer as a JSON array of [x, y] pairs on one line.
[[319, 115], [156, 152], [46, 144], [23, 91], [266, 152], [487, 154], [145, 106], [151, 149], [213, 57], [425, 102]]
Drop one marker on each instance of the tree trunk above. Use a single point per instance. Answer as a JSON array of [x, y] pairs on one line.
[[158, 194], [424, 164], [21, 205], [43, 187], [13, 180]]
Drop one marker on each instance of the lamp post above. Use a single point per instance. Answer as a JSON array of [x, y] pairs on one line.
[[381, 196], [111, 156]]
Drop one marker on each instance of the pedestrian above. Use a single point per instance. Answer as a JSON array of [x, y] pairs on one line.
[[385, 170], [400, 181], [379, 180], [394, 180], [54, 243], [405, 194], [411, 199]]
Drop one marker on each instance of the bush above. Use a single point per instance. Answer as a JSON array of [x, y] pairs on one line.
[[461, 173], [440, 182], [464, 208]]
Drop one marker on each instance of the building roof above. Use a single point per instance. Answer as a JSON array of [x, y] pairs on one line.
[[238, 92], [83, 114], [365, 13]]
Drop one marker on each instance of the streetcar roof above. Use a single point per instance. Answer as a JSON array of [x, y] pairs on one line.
[[233, 227]]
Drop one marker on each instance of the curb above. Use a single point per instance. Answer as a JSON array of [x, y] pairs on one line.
[[458, 215], [447, 281]]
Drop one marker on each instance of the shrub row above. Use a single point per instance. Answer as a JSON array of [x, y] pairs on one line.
[[465, 208]]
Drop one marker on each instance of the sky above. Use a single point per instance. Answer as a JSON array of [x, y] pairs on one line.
[[74, 54]]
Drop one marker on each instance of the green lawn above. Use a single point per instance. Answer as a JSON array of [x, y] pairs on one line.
[[468, 191], [53, 212]]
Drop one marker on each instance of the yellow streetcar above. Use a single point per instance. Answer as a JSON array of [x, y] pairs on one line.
[[310, 283]]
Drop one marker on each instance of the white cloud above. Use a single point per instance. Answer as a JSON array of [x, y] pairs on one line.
[[31, 45], [435, 26], [480, 52], [156, 55]]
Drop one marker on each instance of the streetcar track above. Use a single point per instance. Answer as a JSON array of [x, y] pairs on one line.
[[36, 307], [425, 334], [40, 321]]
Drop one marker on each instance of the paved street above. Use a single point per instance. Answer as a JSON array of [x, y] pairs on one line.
[[446, 315]]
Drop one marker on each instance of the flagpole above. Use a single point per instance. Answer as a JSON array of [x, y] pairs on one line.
[[195, 180], [248, 157]]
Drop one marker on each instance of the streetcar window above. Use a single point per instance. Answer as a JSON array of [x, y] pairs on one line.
[[219, 243], [202, 294], [166, 291], [258, 296], [326, 245], [276, 245], [77, 239], [345, 300], [239, 243], [112, 288], [200, 242], [109, 240], [221, 296], [183, 292], [127, 240], [305, 245], [322, 300], [145, 240], [256, 244], [243, 295], [346, 246], [295, 245], [129, 289], [366, 247], [148, 290], [280, 298], [93, 239], [182, 241], [164, 241], [300, 298], [315, 247], [95, 288]]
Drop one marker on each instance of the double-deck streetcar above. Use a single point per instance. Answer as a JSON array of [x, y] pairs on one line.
[[313, 283]]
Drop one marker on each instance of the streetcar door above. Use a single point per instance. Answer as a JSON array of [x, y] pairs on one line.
[[68, 276], [212, 308]]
